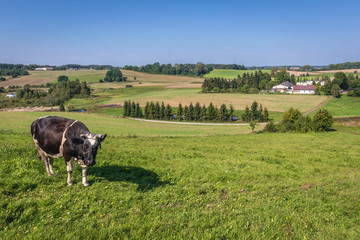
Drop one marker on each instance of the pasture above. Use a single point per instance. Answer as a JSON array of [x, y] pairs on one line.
[[256, 186]]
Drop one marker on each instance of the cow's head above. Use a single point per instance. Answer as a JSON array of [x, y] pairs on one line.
[[90, 145]]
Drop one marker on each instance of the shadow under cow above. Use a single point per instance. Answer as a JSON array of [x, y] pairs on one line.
[[145, 179]]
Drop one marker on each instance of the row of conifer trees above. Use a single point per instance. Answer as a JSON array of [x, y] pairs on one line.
[[155, 110]]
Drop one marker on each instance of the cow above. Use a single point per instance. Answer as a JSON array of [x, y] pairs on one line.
[[56, 137]]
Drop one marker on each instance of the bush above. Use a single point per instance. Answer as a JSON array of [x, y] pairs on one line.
[[322, 121], [271, 127], [128, 86]]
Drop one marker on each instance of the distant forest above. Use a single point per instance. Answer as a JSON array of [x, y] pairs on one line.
[[6, 66], [347, 65], [197, 69]]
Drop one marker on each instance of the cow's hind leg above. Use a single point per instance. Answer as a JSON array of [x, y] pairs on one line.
[[69, 171], [45, 161], [51, 168]]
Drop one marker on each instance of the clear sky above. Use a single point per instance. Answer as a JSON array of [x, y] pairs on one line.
[[252, 33]]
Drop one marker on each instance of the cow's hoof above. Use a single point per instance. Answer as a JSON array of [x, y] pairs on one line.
[[86, 184], [70, 183]]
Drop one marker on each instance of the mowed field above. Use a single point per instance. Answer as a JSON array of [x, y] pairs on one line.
[[255, 186]]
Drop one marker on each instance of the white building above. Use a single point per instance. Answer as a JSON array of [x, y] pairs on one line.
[[297, 89]]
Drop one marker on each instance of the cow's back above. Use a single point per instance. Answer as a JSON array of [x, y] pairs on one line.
[[48, 132]]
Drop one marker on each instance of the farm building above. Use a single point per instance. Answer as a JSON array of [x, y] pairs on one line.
[[44, 69], [284, 87], [297, 89], [306, 83], [11, 95]]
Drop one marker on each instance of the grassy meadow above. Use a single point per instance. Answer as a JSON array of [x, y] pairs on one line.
[[257, 186], [168, 181]]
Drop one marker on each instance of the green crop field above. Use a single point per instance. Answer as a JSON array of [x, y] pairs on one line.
[[256, 186], [229, 74]]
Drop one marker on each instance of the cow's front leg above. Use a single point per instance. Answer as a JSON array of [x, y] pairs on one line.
[[84, 180], [69, 171]]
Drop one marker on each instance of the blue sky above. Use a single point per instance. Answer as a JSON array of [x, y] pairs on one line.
[[252, 33]]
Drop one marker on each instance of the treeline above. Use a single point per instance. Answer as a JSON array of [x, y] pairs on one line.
[[59, 92], [13, 70], [197, 69], [155, 110], [294, 121], [6, 66], [346, 65], [247, 83]]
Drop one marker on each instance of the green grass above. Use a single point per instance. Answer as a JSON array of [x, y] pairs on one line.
[[258, 186], [344, 106], [20, 122], [230, 74]]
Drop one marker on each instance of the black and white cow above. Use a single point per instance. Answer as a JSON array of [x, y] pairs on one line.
[[56, 137]]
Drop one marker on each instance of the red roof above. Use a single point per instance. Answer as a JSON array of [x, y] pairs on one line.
[[298, 87]]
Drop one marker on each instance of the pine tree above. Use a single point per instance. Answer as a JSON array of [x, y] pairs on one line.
[[125, 108], [157, 110], [231, 113], [191, 112], [211, 112], [162, 111], [254, 111], [139, 113], [168, 112], [197, 112], [179, 113], [186, 113], [133, 109], [223, 113], [266, 115], [246, 116], [204, 113], [260, 114], [147, 110]]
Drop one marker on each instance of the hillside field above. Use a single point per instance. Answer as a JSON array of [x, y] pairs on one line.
[[256, 186]]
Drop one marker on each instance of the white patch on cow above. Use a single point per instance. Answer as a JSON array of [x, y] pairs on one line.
[[92, 141], [84, 180], [69, 170], [42, 117]]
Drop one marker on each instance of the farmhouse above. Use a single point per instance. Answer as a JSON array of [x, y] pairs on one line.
[[297, 89], [284, 87], [44, 69]]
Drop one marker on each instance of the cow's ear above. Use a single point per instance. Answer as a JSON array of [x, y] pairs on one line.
[[101, 137], [77, 141]]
